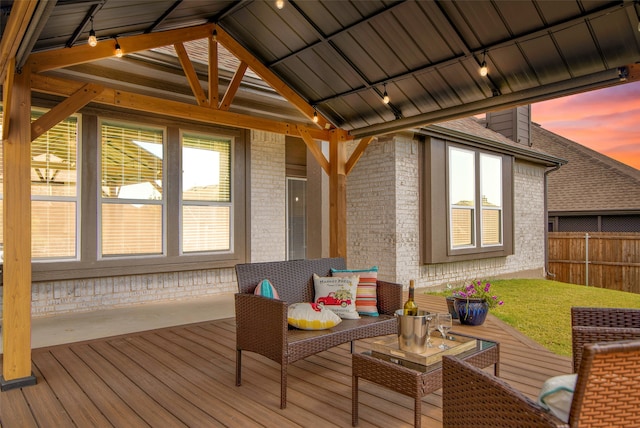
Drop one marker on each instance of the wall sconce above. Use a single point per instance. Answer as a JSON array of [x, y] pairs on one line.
[[118, 49], [93, 40], [483, 67], [385, 96]]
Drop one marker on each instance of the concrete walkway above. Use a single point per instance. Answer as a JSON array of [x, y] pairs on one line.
[[69, 328]]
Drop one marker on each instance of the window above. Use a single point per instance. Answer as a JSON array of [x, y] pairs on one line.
[[206, 193], [466, 202], [132, 190], [54, 191]]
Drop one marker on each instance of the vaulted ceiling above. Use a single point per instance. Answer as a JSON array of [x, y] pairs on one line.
[[340, 57]]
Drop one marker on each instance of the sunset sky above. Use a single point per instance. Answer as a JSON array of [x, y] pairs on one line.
[[606, 120]]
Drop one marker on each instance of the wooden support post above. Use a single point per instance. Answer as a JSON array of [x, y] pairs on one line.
[[338, 193], [16, 297]]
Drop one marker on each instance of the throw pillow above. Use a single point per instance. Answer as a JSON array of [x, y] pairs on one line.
[[265, 289], [556, 395], [337, 294], [311, 316], [367, 294]]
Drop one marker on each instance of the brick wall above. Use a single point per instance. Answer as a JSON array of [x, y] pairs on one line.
[[383, 220]]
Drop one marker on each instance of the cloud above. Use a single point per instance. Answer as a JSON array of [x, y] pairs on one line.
[[605, 120]]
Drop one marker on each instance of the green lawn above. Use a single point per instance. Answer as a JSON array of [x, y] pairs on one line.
[[540, 308]]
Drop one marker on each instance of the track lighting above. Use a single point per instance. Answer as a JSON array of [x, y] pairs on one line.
[[93, 40], [118, 49], [483, 67], [385, 96]]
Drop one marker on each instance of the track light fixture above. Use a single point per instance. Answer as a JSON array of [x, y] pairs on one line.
[[385, 96], [483, 67], [315, 115], [118, 49], [93, 40]]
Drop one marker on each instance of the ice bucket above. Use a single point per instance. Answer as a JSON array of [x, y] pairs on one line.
[[412, 331]]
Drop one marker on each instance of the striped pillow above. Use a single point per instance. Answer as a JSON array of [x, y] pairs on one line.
[[265, 289], [366, 295]]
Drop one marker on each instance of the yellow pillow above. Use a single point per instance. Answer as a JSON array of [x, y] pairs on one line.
[[311, 316]]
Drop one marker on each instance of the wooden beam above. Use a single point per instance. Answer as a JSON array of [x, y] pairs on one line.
[[268, 76], [75, 102], [314, 149], [362, 145], [17, 24], [7, 91], [338, 194], [145, 103], [16, 290], [232, 89], [213, 72], [190, 73], [59, 58]]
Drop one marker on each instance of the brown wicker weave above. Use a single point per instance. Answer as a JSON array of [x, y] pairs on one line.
[[261, 323], [410, 382], [606, 393], [591, 325]]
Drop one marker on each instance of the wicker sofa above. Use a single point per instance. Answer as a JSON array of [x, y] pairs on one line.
[[261, 323], [591, 325], [606, 393]]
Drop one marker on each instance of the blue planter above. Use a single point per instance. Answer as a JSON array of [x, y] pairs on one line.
[[471, 311], [451, 308]]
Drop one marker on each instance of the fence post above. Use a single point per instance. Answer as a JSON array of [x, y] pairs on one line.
[[586, 259]]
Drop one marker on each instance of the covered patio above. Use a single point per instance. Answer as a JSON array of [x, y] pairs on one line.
[[184, 376]]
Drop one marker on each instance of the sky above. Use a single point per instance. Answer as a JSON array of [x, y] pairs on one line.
[[606, 120]]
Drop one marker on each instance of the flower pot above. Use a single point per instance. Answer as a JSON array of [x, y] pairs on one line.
[[471, 311], [451, 308]]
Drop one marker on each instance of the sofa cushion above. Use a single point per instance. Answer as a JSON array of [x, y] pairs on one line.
[[311, 316], [337, 294], [556, 395], [366, 296]]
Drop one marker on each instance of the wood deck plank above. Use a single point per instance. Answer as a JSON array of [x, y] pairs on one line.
[[185, 376]]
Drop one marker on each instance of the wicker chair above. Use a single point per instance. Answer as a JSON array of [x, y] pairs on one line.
[[606, 393], [591, 325], [261, 323]]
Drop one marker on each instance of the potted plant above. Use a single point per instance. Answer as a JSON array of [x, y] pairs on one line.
[[472, 302]]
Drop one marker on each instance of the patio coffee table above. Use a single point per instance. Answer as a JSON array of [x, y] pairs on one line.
[[411, 379]]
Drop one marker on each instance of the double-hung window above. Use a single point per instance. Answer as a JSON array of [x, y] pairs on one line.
[[466, 208], [132, 197], [206, 193]]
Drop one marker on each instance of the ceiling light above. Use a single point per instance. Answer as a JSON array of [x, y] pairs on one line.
[[483, 67], [93, 40], [315, 115], [118, 49], [214, 36], [279, 4], [385, 96]]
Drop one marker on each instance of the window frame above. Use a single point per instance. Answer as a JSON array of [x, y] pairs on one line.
[[435, 220], [89, 264]]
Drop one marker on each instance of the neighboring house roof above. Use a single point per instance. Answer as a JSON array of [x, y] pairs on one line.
[[474, 130], [590, 181]]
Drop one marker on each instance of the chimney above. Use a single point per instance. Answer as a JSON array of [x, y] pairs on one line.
[[514, 124]]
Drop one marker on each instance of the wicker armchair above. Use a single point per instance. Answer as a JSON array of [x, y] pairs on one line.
[[591, 325], [606, 393], [261, 323]]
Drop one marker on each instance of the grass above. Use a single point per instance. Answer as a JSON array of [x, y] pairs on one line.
[[540, 309]]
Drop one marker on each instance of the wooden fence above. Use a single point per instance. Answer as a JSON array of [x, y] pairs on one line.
[[599, 259]]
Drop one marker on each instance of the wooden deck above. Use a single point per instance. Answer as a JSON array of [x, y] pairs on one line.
[[184, 376]]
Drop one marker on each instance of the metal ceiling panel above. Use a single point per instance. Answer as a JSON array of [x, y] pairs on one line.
[[337, 55]]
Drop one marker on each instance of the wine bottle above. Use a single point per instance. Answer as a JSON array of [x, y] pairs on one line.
[[410, 307]]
